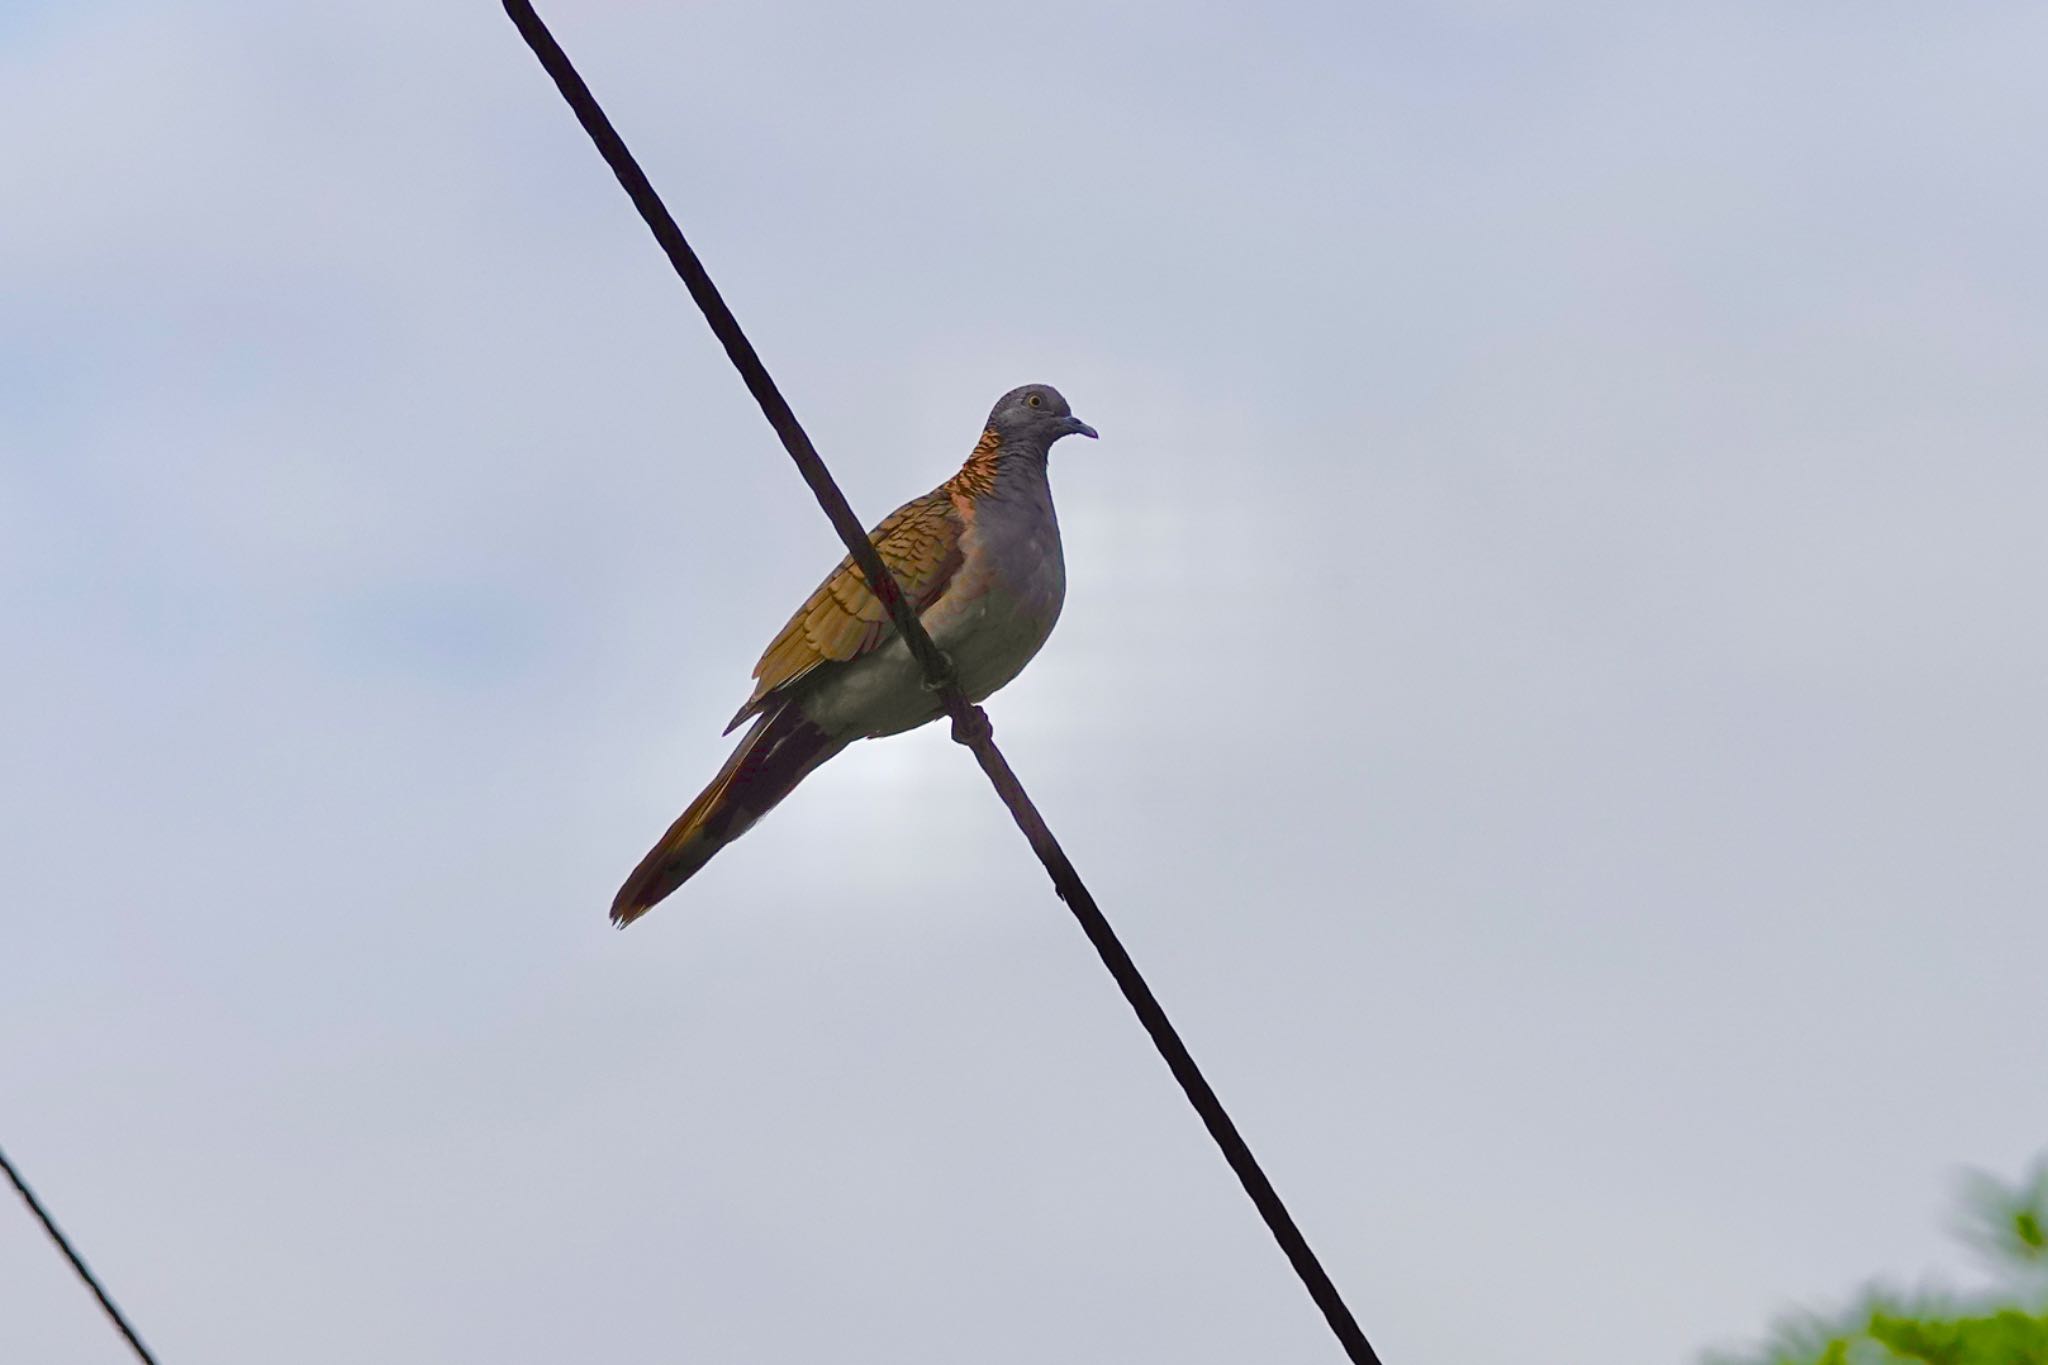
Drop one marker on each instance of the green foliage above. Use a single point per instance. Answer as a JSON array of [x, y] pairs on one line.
[[2005, 1337], [2009, 1327]]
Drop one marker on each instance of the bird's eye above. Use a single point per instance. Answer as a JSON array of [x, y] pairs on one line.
[[1034, 400]]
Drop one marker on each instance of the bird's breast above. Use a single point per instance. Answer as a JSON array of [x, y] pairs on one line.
[[992, 617], [1006, 599]]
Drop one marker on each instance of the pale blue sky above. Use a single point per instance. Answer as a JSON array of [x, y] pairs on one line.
[[1550, 689]]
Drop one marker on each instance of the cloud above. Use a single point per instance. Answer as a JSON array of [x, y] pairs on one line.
[[1545, 691]]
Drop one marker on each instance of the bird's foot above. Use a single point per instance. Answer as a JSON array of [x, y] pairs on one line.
[[973, 728]]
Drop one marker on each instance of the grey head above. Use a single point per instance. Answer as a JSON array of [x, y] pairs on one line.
[[1035, 416]]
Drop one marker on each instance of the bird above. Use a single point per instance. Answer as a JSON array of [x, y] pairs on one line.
[[978, 558]]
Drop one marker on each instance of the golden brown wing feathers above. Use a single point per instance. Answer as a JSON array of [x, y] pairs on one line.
[[843, 619]]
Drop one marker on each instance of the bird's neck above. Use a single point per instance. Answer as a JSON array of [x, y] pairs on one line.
[[996, 467]]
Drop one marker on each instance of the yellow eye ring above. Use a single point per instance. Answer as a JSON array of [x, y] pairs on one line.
[[1033, 400]]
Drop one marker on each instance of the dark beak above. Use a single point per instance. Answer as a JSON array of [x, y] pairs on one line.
[[1077, 427]]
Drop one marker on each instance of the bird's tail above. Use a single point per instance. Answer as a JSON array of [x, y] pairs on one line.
[[776, 754]]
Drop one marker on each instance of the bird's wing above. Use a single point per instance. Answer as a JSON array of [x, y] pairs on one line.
[[843, 619]]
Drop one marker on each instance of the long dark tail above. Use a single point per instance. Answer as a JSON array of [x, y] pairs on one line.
[[776, 754]]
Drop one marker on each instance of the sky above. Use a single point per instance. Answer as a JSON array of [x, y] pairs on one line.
[[1550, 690]]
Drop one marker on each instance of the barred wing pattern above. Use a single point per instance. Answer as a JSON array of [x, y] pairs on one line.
[[843, 619]]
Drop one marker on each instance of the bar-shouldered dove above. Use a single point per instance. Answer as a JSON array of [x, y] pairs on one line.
[[979, 559]]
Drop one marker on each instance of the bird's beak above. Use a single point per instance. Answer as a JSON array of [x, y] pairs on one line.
[[1077, 427]]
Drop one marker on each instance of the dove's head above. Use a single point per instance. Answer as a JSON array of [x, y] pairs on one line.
[[1035, 415]]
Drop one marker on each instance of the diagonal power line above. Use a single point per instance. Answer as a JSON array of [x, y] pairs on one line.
[[35, 1206], [970, 723]]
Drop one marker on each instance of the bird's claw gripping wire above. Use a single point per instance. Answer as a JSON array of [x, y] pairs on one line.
[[970, 727], [973, 728]]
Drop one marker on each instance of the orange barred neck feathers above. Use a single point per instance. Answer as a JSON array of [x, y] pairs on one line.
[[977, 477]]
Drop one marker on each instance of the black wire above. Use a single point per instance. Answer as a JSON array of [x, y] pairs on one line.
[[970, 723], [35, 1206]]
